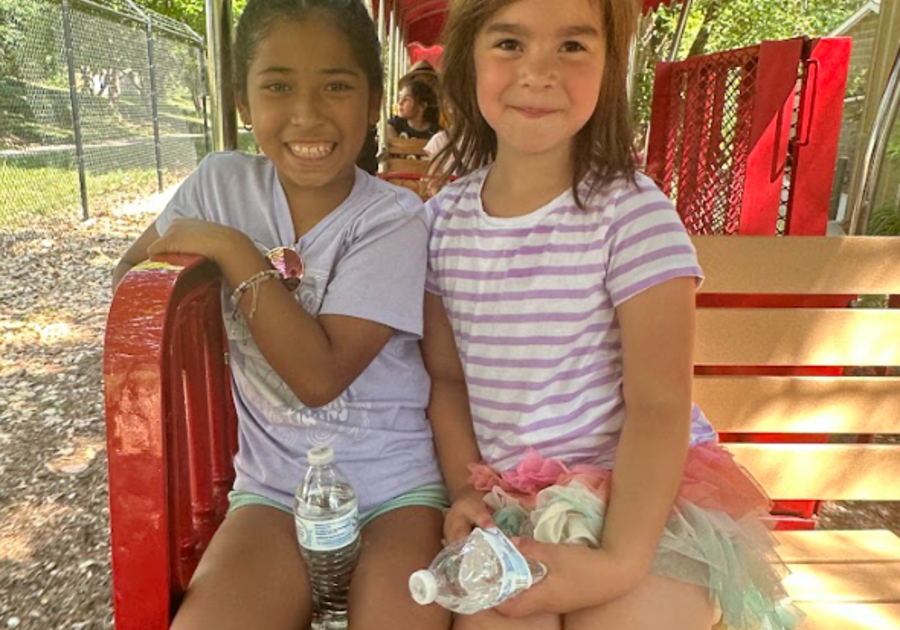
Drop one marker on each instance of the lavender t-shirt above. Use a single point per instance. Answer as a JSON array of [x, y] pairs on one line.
[[366, 259], [532, 300]]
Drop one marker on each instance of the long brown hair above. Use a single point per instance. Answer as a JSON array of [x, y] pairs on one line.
[[603, 149]]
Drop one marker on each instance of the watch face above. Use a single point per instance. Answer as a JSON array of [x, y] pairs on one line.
[[289, 264]]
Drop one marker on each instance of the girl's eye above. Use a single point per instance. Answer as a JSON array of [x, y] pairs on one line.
[[338, 87], [509, 45], [573, 47], [277, 87]]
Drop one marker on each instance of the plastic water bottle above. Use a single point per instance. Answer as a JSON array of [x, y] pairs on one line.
[[326, 513], [476, 573]]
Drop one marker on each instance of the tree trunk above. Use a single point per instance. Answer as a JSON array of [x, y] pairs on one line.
[[709, 18]]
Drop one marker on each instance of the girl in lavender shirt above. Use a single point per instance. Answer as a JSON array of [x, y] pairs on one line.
[[559, 334], [335, 362]]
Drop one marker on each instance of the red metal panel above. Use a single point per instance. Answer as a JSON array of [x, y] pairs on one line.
[[150, 344], [773, 109], [814, 147], [700, 134]]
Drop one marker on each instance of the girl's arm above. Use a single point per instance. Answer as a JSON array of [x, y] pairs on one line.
[[318, 358], [658, 342], [135, 255], [451, 422]]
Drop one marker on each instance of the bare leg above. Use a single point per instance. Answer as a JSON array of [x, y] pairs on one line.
[[251, 576], [395, 545], [490, 620], [657, 602]]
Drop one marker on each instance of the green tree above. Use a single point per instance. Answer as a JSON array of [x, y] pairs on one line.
[[14, 16], [726, 24], [191, 12]]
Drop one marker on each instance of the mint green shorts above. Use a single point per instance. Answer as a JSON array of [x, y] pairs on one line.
[[431, 495]]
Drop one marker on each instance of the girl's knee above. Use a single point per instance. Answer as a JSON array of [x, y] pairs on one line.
[[657, 602]]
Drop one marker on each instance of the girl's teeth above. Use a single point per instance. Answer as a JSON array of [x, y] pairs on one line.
[[310, 150]]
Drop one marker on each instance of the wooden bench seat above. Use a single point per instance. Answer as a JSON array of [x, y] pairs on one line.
[[840, 579]]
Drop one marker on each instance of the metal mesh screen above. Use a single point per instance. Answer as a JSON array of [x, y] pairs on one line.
[[100, 102], [708, 139]]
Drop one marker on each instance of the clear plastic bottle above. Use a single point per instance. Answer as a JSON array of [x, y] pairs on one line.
[[326, 514], [476, 573]]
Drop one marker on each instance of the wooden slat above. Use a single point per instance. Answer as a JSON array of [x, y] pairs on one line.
[[833, 616], [807, 265], [798, 404], [833, 472], [835, 547], [796, 337], [862, 582]]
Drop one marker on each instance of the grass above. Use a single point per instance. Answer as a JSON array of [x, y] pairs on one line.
[[101, 119], [30, 197]]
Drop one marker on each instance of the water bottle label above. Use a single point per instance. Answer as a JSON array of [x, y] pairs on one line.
[[516, 573], [330, 534]]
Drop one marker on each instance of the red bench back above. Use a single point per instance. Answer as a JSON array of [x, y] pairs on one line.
[[171, 433]]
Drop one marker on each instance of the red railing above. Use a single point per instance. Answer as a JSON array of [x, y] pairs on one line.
[[171, 433]]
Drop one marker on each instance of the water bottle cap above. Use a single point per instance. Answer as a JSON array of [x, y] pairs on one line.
[[423, 587], [320, 455]]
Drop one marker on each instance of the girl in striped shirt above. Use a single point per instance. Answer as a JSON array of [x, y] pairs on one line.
[[559, 334]]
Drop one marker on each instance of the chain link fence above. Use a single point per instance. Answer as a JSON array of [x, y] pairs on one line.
[[100, 102]]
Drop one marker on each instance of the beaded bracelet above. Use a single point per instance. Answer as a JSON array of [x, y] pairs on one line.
[[253, 283]]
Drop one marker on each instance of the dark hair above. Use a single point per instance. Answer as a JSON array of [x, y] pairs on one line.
[[423, 93], [349, 16], [602, 149]]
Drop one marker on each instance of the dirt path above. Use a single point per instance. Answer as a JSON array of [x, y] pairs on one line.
[[54, 520]]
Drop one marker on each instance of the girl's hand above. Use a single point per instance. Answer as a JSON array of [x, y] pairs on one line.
[[577, 577], [193, 236], [467, 512]]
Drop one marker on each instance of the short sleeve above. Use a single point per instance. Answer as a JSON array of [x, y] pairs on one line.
[[432, 206], [397, 123], [647, 244], [381, 276], [187, 202]]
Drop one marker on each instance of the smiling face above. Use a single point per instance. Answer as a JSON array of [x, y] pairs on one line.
[[539, 66], [310, 105]]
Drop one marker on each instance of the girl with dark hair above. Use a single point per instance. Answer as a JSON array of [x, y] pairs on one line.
[[418, 112], [332, 361], [559, 340]]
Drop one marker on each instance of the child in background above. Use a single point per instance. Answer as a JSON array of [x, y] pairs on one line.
[[338, 363], [559, 338], [418, 112]]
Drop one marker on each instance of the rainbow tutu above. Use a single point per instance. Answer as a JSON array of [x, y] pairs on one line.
[[715, 537]]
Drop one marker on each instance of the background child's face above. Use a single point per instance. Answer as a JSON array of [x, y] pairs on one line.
[[309, 104], [539, 66], [406, 104]]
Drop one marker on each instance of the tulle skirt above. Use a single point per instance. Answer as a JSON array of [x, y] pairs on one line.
[[715, 537]]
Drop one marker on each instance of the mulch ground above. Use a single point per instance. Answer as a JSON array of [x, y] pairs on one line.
[[54, 519]]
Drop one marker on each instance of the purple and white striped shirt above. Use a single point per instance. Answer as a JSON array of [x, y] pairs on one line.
[[532, 299]]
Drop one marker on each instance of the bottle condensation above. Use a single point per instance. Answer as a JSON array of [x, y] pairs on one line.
[[476, 573], [326, 514]]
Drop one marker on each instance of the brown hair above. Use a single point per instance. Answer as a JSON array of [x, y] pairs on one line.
[[602, 149]]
